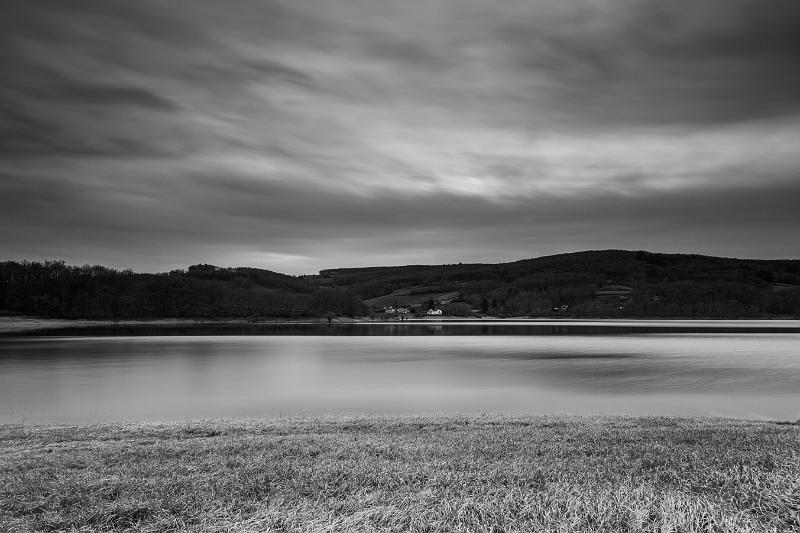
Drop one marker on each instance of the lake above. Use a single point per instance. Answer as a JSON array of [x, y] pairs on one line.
[[148, 373]]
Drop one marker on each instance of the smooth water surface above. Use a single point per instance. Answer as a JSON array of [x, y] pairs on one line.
[[98, 379]]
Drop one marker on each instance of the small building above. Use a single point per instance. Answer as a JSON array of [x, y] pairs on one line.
[[434, 312]]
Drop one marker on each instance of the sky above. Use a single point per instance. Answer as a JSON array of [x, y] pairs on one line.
[[298, 135]]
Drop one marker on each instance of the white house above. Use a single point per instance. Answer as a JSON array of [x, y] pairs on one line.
[[434, 312]]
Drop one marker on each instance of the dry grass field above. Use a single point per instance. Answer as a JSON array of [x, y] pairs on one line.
[[404, 474]]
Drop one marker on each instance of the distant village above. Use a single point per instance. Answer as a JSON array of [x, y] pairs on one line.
[[391, 310], [433, 308]]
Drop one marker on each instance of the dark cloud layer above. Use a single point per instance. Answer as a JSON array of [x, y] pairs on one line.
[[302, 135], [683, 62]]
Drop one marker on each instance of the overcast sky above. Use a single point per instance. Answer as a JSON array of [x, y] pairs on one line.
[[298, 135]]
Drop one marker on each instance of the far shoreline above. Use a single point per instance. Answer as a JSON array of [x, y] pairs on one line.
[[10, 324]]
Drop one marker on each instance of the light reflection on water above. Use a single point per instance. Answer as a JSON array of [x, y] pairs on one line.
[[94, 379]]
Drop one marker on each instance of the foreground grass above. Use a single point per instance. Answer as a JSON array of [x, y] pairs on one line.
[[404, 474]]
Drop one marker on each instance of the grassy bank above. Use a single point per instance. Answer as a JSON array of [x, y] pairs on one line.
[[404, 474]]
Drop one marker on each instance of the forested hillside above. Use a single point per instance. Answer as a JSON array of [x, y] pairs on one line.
[[594, 283], [609, 283], [53, 289]]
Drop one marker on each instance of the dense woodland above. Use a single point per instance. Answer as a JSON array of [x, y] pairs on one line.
[[610, 283], [53, 289]]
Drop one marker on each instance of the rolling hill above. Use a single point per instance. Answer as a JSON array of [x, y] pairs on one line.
[[604, 283], [592, 283]]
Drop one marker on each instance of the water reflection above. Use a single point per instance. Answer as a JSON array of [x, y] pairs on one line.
[[86, 379]]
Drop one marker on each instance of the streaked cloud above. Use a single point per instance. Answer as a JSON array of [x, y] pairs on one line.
[[301, 135]]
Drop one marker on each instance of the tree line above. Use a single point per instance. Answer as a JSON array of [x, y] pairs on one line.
[[54, 289]]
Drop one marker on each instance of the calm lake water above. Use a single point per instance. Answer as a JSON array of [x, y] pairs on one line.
[[587, 367]]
